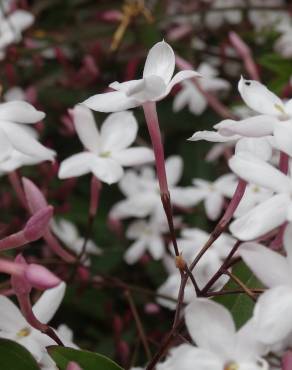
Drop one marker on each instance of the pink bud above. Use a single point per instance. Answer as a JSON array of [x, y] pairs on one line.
[[152, 308], [73, 366], [38, 224], [19, 284], [40, 277], [34, 196], [287, 361]]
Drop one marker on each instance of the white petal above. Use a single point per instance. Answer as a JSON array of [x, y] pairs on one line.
[[214, 205], [270, 267], [261, 219], [111, 102], [118, 131], [130, 184], [181, 100], [179, 77], [21, 19], [135, 251], [212, 136], [20, 112], [76, 165], [85, 127], [287, 241], [160, 62], [49, 302], [11, 319], [28, 144], [134, 156], [256, 171], [107, 170], [283, 136], [210, 325], [156, 247], [260, 147], [257, 126], [259, 98], [174, 168], [5, 147], [272, 314]]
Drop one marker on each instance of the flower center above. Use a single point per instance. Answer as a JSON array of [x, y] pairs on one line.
[[231, 366], [23, 332], [105, 154]]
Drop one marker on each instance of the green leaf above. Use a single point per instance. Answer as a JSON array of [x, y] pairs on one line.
[[87, 360], [16, 357]]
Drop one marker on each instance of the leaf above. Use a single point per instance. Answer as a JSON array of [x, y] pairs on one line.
[[16, 357], [87, 360]]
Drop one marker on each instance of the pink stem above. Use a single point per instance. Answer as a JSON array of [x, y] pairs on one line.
[[212, 100], [16, 184], [57, 248], [11, 267], [95, 189], [13, 241], [284, 163]]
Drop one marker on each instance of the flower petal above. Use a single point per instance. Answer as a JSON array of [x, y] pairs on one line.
[[118, 131], [261, 219], [156, 247], [212, 136], [85, 127], [260, 147], [179, 77], [256, 171], [210, 325], [270, 267], [20, 112], [76, 165], [160, 62], [283, 136], [272, 314], [214, 205], [107, 170], [174, 168], [135, 251], [5, 147], [11, 319], [134, 156], [257, 97], [49, 302], [114, 101]]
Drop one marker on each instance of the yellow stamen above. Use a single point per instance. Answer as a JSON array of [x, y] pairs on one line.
[[23, 332]]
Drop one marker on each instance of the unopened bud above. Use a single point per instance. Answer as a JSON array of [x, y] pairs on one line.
[[34, 196], [40, 277], [38, 224], [73, 366]]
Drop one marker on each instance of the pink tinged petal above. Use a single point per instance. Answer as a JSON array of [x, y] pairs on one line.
[[179, 77], [106, 170], [20, 112], [38, 224], [287, 361], [5, 147], [35, 198], [118, 132], [28, 144], [270, 267], [85, 127], [160, 62], [134, 156], [256, 171], [212, 136], [257, 126], [257, 97], [73, 366], [210, 325], [214, 205], [40, 277], [111, 102], [261, 219], [283, 137], [76, 165], [11, 319], [135, 251], [260, 147], [272, 314], [49, 302], [174, 169]]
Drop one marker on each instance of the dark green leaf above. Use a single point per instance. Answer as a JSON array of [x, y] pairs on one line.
[[16, 357]]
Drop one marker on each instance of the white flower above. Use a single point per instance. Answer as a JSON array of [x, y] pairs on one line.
[[192, 97], [156, 83], [12, 117], [219, 346], [147, 236], [14, 326], [269, 214], [214, 193], [68, 233], [215, 19], [12, 25], [272, 313], [108, 149], [143, 194]]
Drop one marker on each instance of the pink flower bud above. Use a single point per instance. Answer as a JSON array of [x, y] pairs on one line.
[[38, 224], [73, 366], [19, 284], [287, 361], [40, 277], [152, 308], [34, 196]]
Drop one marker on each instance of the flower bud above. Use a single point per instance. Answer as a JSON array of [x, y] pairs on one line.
[[73, 366], [35, 198], [38, 224], [40, 277]]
